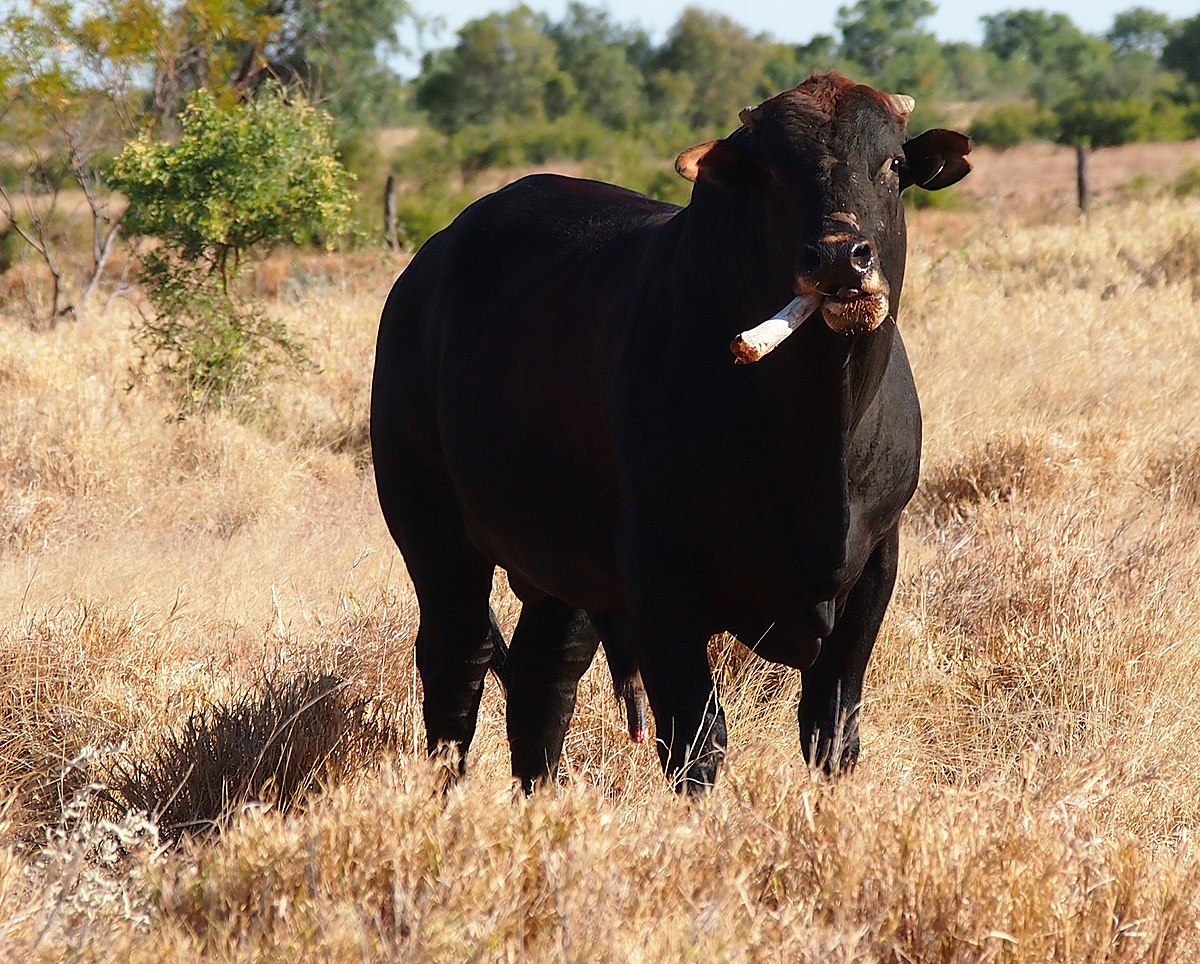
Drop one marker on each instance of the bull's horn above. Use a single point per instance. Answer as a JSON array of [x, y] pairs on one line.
[[750, 346], [749, 116], [902, 104]]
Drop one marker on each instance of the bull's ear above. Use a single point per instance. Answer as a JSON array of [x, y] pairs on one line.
[[936, 159], [725, 166]]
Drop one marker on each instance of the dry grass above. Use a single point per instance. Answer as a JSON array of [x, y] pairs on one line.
[[276, 743], [1030, 783]]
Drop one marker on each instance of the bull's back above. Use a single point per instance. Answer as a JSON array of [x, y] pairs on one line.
[[497, 352]]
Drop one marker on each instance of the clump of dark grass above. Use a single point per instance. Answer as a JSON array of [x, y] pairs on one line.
[[1175, 474], [1178, 263], [988, 476], [276, 744]]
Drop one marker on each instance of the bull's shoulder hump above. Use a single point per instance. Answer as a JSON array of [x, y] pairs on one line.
[[568, 211], [559, 188]]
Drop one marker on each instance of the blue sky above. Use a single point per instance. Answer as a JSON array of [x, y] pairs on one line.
[[955, 19]]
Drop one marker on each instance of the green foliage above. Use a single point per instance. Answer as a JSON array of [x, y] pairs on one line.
[[1140, 30], [1051, 50], [1011, 124], [335, 51], [602, 59], [970, 73], [211, 349], [1181, 52], [711, 68], [1109, 123], [263, 172], [503, 66], [884, 37], [529, 141], [258, 174], [437, 169]]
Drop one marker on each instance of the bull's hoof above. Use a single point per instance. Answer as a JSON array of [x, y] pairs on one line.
[[694, 783], [831, 758]]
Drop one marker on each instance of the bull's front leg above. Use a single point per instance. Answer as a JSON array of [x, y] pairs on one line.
[[690, 723], [832, 693]]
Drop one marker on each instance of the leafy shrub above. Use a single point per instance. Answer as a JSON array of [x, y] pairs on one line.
[[254, 175], [210, 349], [437, 172], [1009, 124], [528, 141], [1110, 123]]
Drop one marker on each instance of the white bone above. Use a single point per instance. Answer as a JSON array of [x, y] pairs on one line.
[[750, 346]]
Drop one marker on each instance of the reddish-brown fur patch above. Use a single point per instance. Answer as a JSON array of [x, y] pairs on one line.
[[824, 91]]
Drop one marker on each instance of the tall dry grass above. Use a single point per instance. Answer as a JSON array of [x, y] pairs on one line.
[[1030, 781]]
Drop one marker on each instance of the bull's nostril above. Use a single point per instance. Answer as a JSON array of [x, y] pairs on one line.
[[810, 261], [862, 255]]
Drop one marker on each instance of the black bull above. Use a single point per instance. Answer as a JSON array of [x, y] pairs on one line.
[[554, 394]]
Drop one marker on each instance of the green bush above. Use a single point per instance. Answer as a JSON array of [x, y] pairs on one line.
[[1009, 124], [1110, 123], [210, 349], [525, 141], [254, 175]]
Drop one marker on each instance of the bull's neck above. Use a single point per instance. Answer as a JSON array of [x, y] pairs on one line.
[[794, 413], [728, 276]]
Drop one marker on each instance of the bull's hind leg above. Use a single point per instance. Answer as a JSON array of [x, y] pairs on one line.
[[552, 647], [832, 692], [457, 639]]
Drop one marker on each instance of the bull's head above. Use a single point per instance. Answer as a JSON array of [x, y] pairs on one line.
[[830, 159]]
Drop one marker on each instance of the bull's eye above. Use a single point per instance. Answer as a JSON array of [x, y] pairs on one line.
[[893, 167]]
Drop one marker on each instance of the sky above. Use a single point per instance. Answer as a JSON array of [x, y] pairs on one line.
[[796, 22]]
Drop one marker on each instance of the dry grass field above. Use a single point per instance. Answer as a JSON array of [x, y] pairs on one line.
[[172, 592]]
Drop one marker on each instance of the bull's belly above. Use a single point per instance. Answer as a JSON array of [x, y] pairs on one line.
[[564, 550]]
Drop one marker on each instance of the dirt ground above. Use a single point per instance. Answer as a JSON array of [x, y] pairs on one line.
[[1046, 173]]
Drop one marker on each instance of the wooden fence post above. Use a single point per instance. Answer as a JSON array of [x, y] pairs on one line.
[[1081, 176], [389, 214]]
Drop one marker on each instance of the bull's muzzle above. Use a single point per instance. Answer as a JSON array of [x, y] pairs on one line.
[[750, 346], [843, 274]]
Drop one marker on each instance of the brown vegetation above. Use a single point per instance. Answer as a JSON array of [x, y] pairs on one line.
[[1030, 782]]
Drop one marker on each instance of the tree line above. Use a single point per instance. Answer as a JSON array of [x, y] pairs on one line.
[[1035, 74]]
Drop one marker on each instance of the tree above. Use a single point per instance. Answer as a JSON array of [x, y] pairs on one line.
[[715, 66], [1182, 50], [1140, 30], [253, 175], [503, 66], [334, 50], [876, 32], [971, 73], [70, 93], [599, 57], [821, 52], [1063, 59], [75, 79]]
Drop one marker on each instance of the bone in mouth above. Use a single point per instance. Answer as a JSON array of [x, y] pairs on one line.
[[750, 346]]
